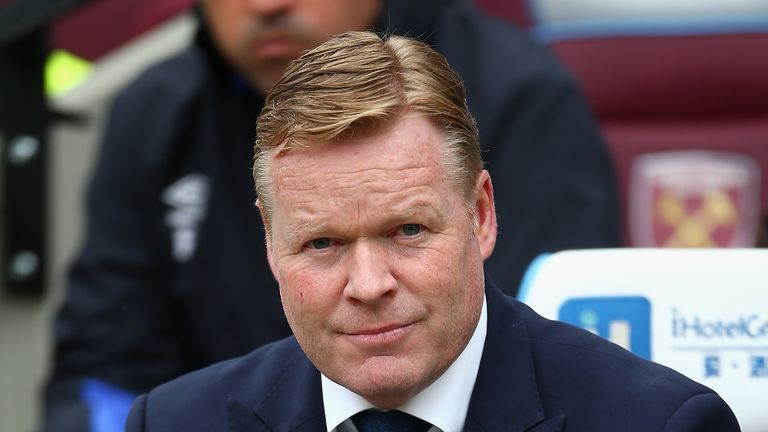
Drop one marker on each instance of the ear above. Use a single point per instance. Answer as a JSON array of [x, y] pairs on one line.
[[268, 235], [485, 208]]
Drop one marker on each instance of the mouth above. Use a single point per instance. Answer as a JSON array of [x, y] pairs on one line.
[[381, 336], [281, 40], [276, 47]]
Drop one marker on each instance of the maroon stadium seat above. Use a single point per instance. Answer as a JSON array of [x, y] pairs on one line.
[[683, 103]]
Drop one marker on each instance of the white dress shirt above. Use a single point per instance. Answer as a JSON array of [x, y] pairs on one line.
[[443, 404]]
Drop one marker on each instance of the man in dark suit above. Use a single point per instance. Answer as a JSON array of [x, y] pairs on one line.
[[378, 217]]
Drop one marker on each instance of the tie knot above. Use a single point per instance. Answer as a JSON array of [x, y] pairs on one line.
[[388, 421]]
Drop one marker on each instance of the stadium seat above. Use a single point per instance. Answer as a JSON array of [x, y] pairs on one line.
[[701, 312], [681, 93]]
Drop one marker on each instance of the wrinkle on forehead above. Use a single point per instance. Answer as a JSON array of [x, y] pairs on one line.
[[352, 191], [423, 147], [341, 167], [370, 179]]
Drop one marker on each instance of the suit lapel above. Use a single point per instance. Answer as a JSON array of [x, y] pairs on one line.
[[294, 404], [506, 395]]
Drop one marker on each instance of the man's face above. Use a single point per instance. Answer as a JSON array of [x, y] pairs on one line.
[[378, 259], [260, 37]]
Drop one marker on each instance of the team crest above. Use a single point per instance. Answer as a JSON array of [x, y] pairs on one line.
[[694, 199]]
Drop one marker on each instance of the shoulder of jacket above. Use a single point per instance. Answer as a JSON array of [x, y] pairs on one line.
[[500, 63], [175, 80], [150, 116], [247, 377]]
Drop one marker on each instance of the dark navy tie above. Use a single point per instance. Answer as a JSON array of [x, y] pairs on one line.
[[388, 421]]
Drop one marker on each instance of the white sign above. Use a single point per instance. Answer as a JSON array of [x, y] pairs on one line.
[[702, 312]]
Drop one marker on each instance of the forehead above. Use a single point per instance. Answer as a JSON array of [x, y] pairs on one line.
[[402, 148]]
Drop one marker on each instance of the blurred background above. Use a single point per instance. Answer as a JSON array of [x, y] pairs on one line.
[[61, 63], [680, 90]]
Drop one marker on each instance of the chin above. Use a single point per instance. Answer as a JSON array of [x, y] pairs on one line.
[[387, 382], [388, 395], [264, 77]]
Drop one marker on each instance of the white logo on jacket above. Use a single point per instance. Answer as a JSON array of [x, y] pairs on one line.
[[188, 199]]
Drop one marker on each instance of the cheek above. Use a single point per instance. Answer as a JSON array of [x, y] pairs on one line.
[[460, 278], [432, 276], [230, 25], [306, 295], [294, 286]]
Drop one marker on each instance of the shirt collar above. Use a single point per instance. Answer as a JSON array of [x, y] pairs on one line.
[[444, 403]]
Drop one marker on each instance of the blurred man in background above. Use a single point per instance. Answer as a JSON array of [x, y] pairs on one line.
[[173, 276]]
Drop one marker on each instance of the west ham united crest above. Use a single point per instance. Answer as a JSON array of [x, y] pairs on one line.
[[694, 199]]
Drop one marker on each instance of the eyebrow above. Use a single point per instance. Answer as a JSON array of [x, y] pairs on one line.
[[310, 228], [305, 226]]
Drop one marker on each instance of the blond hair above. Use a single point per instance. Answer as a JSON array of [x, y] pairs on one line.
[[356, 82]]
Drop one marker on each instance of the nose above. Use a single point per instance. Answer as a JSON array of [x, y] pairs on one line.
[[370, 278]]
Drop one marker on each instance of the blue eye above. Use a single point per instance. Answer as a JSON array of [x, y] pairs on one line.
[[320, 243], [411, 229]]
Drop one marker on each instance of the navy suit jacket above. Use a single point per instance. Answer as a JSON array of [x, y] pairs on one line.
[[535, 375]]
